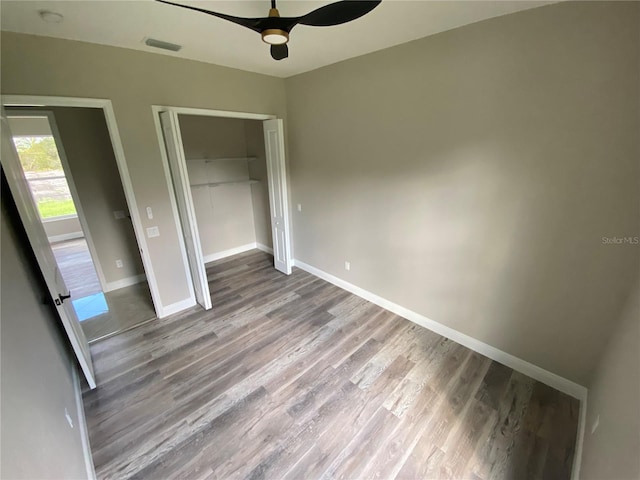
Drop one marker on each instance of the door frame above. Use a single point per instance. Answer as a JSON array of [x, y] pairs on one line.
[[55, 132], [203, 112], [106, 106]]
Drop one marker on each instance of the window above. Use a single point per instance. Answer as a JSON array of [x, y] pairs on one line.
[[43, 169]]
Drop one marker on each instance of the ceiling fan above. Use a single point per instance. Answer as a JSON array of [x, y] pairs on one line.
[[275, 29]]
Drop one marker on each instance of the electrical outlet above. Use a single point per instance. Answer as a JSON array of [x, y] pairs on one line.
[[68, 417], [347, 266], [119, 263], [153, 232], [595, 425]]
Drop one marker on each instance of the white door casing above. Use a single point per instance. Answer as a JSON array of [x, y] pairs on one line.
[[278, 194], [44, 255], [186, 209]]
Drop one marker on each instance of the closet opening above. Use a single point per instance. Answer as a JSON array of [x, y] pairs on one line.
[[227, 172]]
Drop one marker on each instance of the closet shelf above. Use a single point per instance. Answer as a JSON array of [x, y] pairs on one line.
[[220, 184], [223, 159]]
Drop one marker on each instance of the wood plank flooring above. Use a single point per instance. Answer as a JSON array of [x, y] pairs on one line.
[[292, 377], [128, 307], [76, 267]]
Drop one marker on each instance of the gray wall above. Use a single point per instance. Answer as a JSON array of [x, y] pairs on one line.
[[93, 166], [228, 216], [260, 191], [134, 81], [614, 396], [37, 382], [65, 227], [470, 176]]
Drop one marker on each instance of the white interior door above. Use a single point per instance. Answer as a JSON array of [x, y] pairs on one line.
[[40, 244], [186, 210], [278, 195]]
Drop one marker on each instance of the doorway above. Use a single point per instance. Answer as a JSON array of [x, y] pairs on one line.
[[227, 171], [59, 213], [55, 147]]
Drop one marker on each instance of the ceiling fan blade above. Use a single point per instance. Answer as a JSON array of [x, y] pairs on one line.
[[338, 13], [252, 23], [278, 52]]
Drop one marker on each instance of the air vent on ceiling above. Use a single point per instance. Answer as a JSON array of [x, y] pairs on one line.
[[152, 42]]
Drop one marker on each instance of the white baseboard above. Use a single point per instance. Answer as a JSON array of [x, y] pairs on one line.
[[82, 424], [227, 253], [264, 248], [124, 282], [64, 237], [176, 307], [548, 378]]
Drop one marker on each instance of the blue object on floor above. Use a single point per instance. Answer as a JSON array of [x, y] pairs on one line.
[[91, 306]]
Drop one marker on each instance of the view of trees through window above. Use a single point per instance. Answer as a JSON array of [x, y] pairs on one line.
[[43, 169]]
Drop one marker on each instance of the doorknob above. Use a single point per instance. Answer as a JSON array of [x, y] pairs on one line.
[[61, 298]]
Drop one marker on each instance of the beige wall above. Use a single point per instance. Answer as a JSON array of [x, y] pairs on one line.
[[225, 213], [233, 216], [260, 191], [37, 382], [614, 396], [134, 81], [62, 227], [470, 176], [93, 166]]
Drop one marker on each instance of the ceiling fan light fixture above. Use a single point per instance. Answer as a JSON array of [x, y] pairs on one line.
[[275, 36]]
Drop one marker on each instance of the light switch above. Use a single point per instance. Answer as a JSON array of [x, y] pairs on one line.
[[153, 232], [118, 214], [299, 207], [149, 213]]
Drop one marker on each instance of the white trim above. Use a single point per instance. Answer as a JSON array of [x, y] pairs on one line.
[[266, 249], [204, 112], [138, 228], [82, 424], [51, 101], [177, 307], [59, 218], [65, 236], [118, 150], [582, 426], [548, 378], [156, 110], [232, 251], [124, 282]]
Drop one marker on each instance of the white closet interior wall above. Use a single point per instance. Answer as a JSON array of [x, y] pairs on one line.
[[227, 170]]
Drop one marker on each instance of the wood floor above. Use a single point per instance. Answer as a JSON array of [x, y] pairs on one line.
[[128, 306], [76, 266], [292, 377]]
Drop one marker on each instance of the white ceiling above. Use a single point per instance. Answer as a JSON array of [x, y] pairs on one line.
[[125, 23]]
